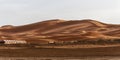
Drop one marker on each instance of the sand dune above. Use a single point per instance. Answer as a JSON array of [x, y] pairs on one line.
[[59, 29]]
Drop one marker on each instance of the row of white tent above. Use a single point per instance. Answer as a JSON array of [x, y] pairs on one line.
[[13, 42]]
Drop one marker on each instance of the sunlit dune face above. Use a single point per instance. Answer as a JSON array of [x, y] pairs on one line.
[[59, 29]]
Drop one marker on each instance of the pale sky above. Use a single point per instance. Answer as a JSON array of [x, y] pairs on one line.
[[21, 12]]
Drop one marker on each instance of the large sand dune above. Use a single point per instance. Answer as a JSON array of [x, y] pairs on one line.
[[62, 30]]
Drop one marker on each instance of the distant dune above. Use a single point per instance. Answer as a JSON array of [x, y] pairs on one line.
[[61, 30]]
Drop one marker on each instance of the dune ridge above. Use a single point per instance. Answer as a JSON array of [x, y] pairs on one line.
[[61, 30]]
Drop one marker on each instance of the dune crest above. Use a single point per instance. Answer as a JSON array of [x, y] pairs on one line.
[[59, 29]]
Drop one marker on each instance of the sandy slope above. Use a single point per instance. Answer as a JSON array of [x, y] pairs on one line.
[[62, 30]]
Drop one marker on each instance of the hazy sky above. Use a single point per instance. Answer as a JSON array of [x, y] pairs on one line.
[[19, 12]]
